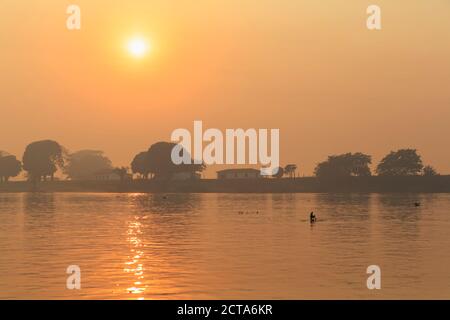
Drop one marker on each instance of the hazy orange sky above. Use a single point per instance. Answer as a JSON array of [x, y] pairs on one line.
[[310, 68]]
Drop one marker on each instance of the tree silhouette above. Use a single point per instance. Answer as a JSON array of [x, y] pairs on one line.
[[9, 166], [403, 162], [290, 170], [344, 165], [161, 164], [122, 172], [429, 171], [84, 164], [140, 164], [42, 159]]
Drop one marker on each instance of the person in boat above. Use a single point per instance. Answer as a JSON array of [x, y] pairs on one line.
[[312, 217]]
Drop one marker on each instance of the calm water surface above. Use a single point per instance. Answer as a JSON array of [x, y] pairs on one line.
[[224, 246]]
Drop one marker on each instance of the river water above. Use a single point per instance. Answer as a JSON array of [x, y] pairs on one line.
[[224, 246]]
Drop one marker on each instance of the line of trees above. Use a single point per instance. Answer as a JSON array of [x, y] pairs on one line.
[[42, 159], [403, 162]]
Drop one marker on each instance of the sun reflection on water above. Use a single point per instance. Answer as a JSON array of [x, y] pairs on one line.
[[134, 263]]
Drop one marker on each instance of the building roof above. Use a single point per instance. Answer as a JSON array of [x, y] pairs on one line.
[[248, 170]]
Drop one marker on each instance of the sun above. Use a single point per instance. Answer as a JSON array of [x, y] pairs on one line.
[[138, 47]]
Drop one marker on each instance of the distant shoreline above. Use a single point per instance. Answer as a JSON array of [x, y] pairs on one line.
[[376, 184]]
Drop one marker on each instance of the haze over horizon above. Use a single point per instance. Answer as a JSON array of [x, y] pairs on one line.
[[311, 69]]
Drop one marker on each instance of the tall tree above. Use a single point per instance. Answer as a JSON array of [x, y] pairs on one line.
[[84, 164], [403, 162], [161, 164], [140, 164], [344, 165], [42, 159], [9, 166]]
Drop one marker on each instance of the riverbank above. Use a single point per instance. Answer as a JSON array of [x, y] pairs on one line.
[[433, 184]]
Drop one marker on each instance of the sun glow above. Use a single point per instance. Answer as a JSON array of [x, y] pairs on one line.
[[138, 47]]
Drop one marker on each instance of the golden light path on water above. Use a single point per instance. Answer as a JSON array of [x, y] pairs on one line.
[[135, 265]]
